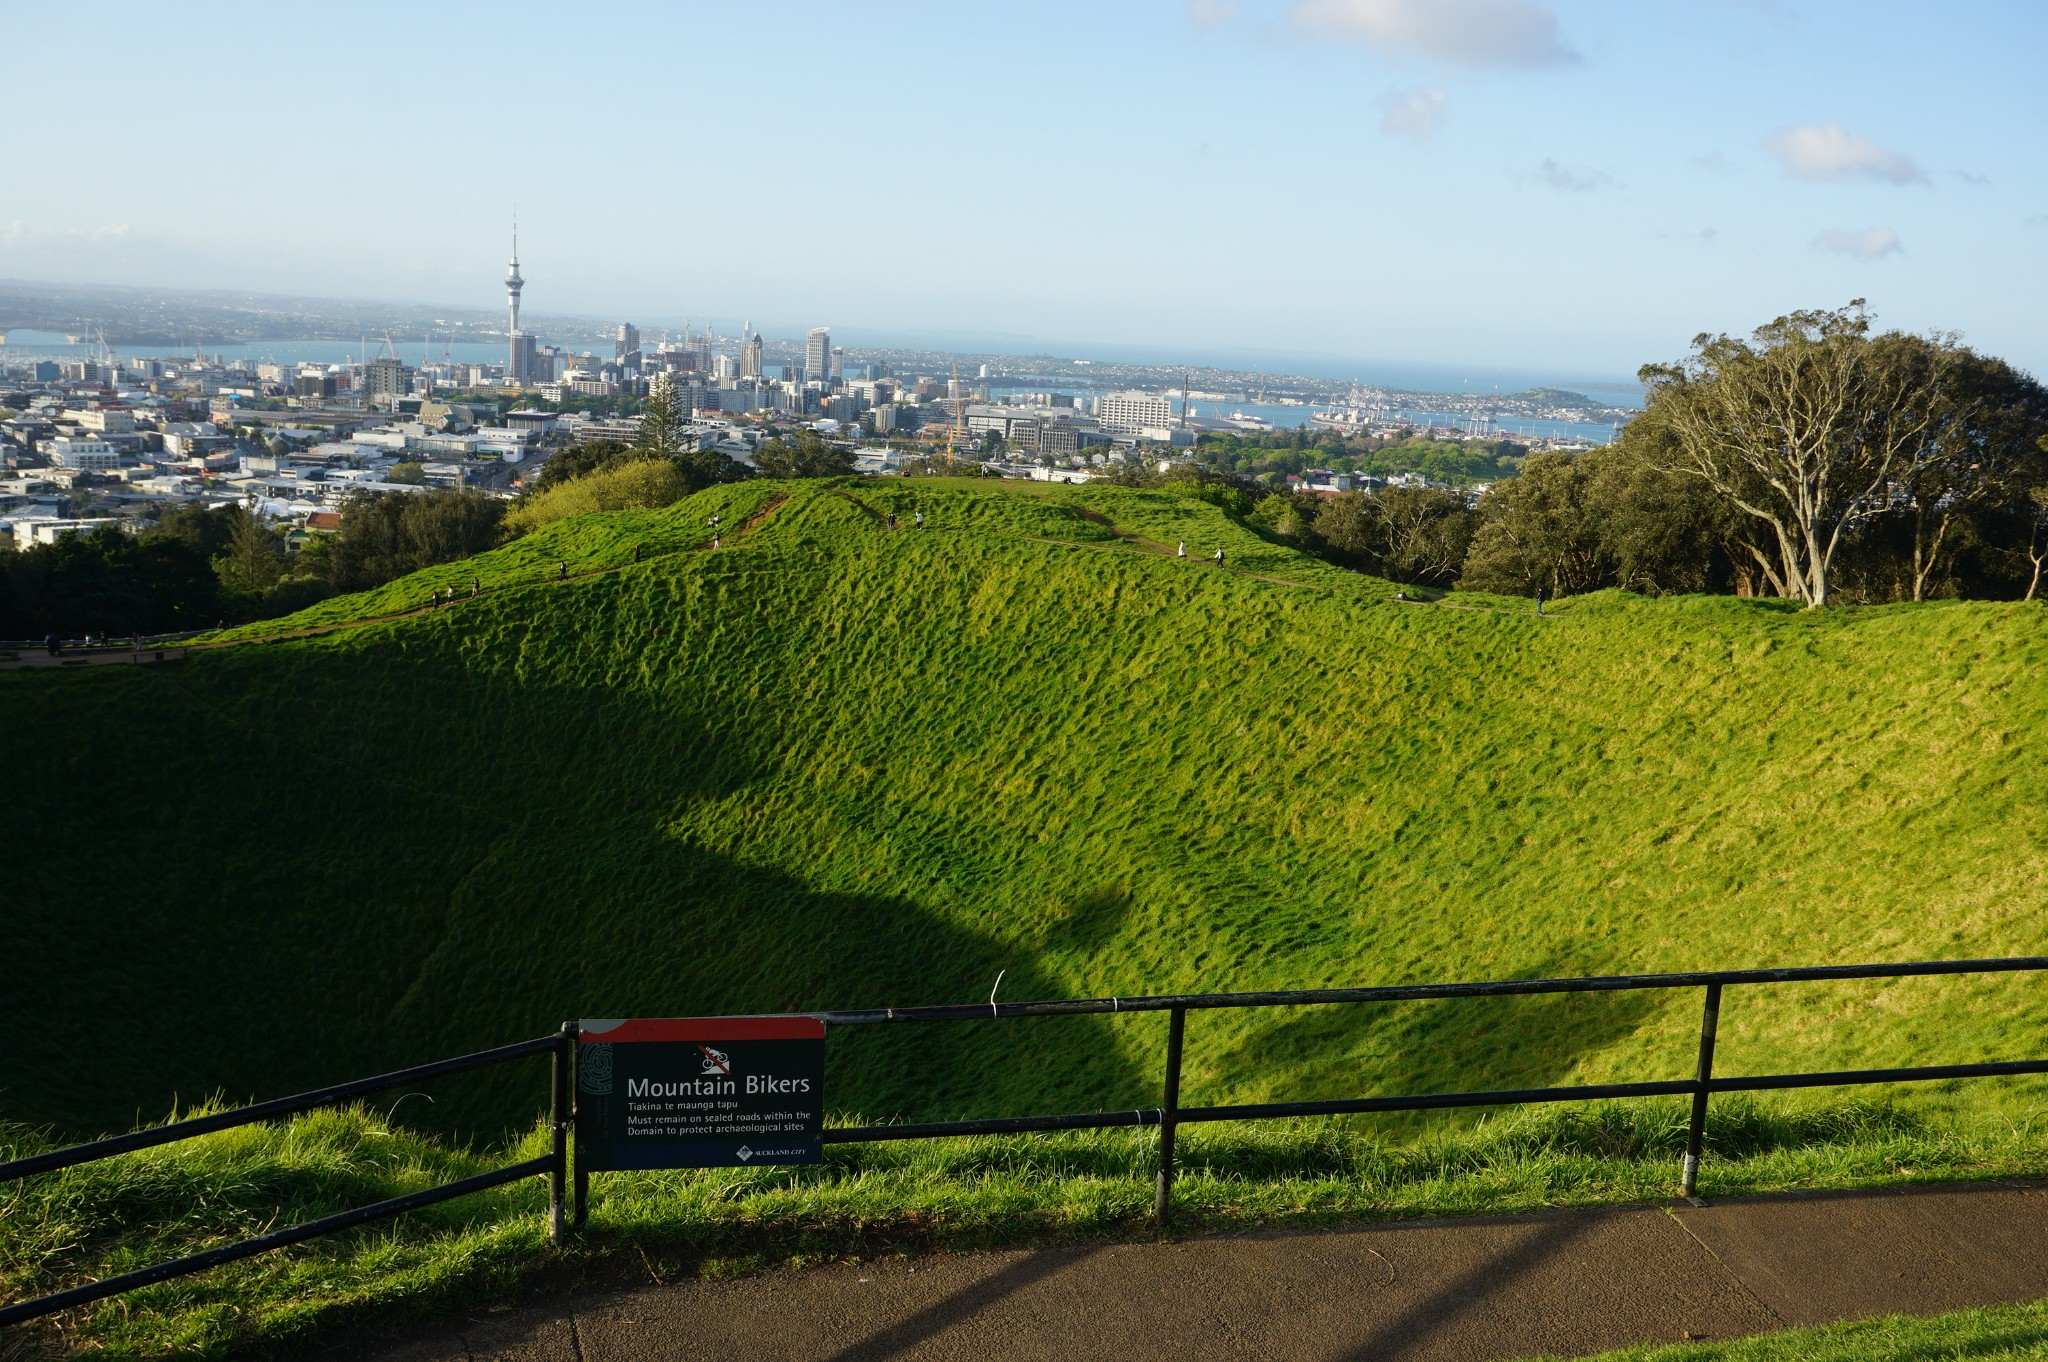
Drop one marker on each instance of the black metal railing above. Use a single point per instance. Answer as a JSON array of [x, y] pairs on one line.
[[554, 1164], [1167, 1116], [1170, 1114], [94, 645]]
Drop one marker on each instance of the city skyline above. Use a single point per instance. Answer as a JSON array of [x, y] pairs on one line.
[[1359, 179]]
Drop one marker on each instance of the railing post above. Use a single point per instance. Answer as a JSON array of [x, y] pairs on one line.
[[558, 1115], [1169, 1109], [580, 1206], [1696, 1131]]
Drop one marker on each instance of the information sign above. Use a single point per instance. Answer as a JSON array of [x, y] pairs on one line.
[[710, 1092]]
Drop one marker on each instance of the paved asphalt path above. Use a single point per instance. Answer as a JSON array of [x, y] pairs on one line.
[[1568, 1282]]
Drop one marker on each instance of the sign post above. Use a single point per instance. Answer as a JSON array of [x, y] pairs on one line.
[[713, 1092]]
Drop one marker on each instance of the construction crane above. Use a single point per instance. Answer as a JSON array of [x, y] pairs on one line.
[[959, 417]]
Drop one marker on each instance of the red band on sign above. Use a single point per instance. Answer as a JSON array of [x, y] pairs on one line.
[[689, 1029]]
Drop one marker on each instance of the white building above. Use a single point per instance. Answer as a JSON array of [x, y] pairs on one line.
[[87, 454], [102, 420], [31, 531], [1133, 413]]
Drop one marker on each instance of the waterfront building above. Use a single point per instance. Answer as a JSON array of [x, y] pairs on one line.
[[1130, 413]]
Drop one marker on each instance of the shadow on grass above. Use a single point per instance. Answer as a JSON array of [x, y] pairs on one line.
[[416, 856], [1453, 1045]]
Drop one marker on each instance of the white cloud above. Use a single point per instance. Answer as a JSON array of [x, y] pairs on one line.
[[1210, 13], [1413, 113], [1867, 243], [1511, 33], [1571, 179], [1829, 151]]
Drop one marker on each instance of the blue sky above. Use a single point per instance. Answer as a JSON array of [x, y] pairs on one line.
[[1573, 186]]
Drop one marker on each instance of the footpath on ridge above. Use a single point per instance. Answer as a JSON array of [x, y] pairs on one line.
[[1564, 1283]]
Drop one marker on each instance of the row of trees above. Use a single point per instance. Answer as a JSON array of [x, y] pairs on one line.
[[1813, 460], [198, 567], [1269, 457]]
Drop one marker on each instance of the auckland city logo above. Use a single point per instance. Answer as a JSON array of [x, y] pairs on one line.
[[594, 1069]]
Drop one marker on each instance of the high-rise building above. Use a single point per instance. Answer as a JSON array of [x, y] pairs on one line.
[[818, 355], [385, 380], [524, 367], [628, 352], [750, 357]]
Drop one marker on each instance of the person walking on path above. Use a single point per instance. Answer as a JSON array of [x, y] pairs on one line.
[[714, 541], [892, 522], [1219, 558], [1539, 600], [562, 572], [476, 584], [920, 520], [636, 553], [1182, 551], [55, 648]]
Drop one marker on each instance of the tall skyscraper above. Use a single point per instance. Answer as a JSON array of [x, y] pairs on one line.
[[629, 341], [750, 357], [818, 355]]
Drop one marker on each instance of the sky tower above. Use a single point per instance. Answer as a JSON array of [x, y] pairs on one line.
[[519, 350], [513, 282]]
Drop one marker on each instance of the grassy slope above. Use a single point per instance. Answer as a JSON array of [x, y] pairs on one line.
[[833, 766], [828, 765]]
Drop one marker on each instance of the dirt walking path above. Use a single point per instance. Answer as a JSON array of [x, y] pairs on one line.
[[1563, 1283]]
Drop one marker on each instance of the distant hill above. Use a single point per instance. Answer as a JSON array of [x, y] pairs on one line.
[[829, 764]]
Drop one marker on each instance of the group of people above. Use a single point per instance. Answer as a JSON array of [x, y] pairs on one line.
[[918, 521], [54, 645], [1182, 552], [476, 585]]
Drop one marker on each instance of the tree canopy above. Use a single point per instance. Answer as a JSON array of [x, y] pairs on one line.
[[1817, 429], [806, 454]]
